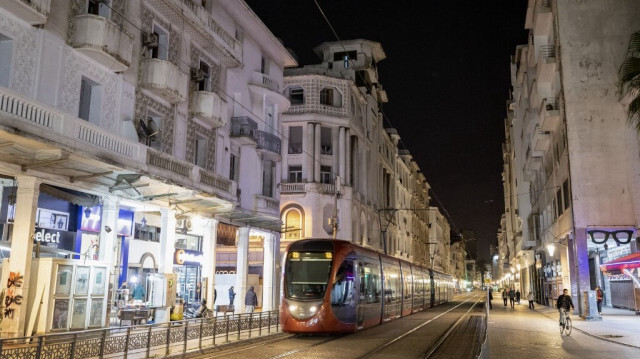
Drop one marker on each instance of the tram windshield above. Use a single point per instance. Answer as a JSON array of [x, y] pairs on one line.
[[307, 274]]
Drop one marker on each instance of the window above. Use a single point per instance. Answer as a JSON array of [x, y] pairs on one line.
[[234, 166], [349, 55], [153, 131], [559, 201], [100, 8], [293, 224], [565, 193], [326, 96], [6, 53], [325, 174], [162, 50], [343, 292], [90, 101], [325, 141], [295, 174], [296, 96], [264, 69], [295, 139], [201, 152], [204, 81], [268, 174]]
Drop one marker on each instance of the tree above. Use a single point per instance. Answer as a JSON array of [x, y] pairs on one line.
[[481, 265], [629, 80]]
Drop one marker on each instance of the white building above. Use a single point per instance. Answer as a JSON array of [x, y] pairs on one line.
[[141, 146], [571, 151]]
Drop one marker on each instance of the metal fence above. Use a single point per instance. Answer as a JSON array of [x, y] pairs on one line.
[[142, 341], [482, 333]]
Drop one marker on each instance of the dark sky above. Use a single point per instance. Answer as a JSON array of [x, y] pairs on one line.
[[447, 78]]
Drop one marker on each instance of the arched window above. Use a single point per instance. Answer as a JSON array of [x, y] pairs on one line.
[[331, 97], [293, 221]]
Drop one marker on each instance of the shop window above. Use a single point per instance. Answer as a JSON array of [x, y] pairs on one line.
[[188, 242], [90, 101], [295, 174], [293, 224], [295, 139], [6, 53]]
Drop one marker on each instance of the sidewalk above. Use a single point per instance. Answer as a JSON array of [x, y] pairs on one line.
[[525, 333], [618, 325]]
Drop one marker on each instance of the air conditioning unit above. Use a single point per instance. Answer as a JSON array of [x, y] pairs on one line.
[[149, 40], [184, 224], [197, 75]]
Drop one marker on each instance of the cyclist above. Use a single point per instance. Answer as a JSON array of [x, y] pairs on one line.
[[564, 304]]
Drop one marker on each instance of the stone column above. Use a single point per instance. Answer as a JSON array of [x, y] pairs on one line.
[[242, 268], [270, 258], [16, 288], [579, 268], [347, 155], [284, 152], [109, 240], [341, 154], [209, 263], [307, 164], [335, 153], [167, 251], [316, 154]]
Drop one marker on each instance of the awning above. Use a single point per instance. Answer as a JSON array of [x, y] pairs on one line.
[[69, 195], [631, 261]]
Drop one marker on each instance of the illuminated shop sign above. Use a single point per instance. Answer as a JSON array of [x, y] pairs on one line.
[[55, 238], [185, 256]]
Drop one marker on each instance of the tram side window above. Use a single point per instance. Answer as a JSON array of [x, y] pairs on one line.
[[393, 287], [372, 282], [408, 281], [342, 292]]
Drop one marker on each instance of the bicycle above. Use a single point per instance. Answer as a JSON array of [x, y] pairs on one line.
[[565, 324]]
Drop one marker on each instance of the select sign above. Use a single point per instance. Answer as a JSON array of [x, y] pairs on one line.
[[55, 238]]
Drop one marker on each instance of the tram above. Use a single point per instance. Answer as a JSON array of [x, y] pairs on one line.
[[335, 286]]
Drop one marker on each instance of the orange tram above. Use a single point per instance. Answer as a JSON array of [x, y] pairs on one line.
[[335, 286]]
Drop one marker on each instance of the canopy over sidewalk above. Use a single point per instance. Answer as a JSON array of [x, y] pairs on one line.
[[631, 261]]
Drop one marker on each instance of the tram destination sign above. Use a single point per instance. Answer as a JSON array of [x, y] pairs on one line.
[[55, 238]]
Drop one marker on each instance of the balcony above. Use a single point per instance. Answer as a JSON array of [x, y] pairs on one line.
[[164, 79], [549, 115], [263, 84], [266, 205], [33, 12], [543, 19], [292, 188], [209, 108], [102, 40], [269, 144], [244, 129], [546, 67], [541, 140]]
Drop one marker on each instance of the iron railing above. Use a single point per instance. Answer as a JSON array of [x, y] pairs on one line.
[[243, 126], [268, 141], [142, 341]]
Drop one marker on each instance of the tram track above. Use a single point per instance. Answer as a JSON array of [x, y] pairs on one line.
[[440, 341]]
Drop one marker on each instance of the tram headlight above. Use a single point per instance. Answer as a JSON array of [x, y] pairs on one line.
[[303, 310], [313, 309], [293, 308]]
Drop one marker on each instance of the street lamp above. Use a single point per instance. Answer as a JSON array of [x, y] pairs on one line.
[[551, 248]]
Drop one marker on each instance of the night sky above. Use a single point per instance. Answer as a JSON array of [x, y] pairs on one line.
[[447, 78]]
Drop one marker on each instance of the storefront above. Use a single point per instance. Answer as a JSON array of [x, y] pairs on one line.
[[188, 259]]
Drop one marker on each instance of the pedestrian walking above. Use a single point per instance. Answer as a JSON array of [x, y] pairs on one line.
[[599, 296], [504, 296], [518, 296], [490, 298], [232, 295], [530, 299], [512, 297], [250, 300]]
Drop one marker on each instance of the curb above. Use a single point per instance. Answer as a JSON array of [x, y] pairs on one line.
[[592, 335]]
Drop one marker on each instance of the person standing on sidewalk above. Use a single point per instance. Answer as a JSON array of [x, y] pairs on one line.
[[518, 296], [530, 299], [250, 300], [504, 296], [490, 297], [512, 297], [232, 296], [599, 296]]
